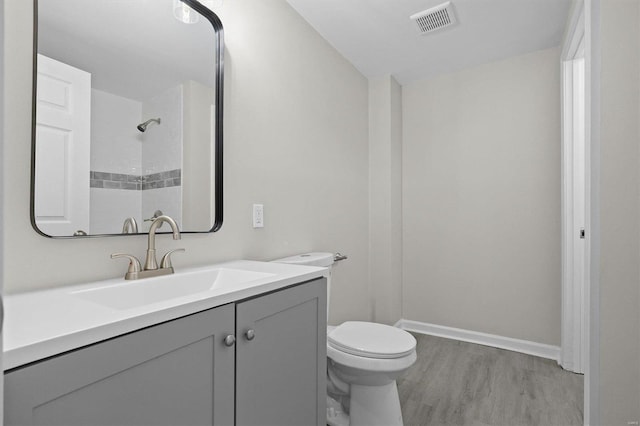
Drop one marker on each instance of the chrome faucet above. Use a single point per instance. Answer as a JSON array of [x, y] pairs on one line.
[[151, 265], [130, 226]]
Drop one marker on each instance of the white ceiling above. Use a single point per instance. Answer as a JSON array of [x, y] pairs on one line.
[[378, 37], [134, 49]]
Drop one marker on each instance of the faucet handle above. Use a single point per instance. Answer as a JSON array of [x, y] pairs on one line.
[[166, 259], [156, 215], [134, 263]]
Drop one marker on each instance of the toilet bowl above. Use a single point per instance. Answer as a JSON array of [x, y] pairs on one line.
[[364, 361]]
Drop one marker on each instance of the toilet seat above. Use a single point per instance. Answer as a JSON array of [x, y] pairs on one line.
[[371, 340], [371, 365]]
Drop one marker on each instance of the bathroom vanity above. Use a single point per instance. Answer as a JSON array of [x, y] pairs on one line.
[[248, 350]]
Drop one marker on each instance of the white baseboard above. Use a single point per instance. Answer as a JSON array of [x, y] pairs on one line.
[[524, 346]]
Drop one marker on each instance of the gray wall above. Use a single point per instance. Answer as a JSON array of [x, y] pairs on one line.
[[481, 198], [619, 187], [296, 140]]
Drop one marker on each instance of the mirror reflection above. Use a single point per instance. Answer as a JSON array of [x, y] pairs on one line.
[[126, 116]]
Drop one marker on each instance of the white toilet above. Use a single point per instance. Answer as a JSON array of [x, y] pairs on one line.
[[364, 361]]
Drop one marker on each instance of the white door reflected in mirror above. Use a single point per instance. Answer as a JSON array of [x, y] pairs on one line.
[[62, 155]]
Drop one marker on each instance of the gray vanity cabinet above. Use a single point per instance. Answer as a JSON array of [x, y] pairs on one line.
[[281, 358], [182, 372], [176, 373]]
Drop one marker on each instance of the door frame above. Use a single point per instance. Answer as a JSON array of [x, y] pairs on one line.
[[2, 138], [575, 276], [583, 25]]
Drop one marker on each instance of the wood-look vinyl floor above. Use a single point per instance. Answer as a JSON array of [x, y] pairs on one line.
[[459, 383]]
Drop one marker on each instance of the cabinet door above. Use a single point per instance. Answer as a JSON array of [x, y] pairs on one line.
[[281, 371], [169, 374]]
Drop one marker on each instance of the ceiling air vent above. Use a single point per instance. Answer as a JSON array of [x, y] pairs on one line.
[[435, 18]]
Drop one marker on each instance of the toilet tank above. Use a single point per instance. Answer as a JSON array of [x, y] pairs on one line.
[[321, 259]]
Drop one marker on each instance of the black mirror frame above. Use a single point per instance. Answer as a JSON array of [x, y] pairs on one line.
[[218, 148]]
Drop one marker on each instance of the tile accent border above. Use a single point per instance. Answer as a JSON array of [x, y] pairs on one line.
[[106, 180], [162, 179], [114, 181], [523, 346]]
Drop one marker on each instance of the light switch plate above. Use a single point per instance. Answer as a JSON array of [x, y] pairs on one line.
[[258, 216]]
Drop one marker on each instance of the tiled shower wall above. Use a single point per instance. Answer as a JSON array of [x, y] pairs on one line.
[[115, 152], [133, 174], [162, 155]]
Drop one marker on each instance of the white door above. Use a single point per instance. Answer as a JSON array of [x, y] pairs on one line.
[[63, 114]]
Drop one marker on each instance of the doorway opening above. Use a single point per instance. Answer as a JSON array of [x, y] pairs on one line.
[[577, 335], [574, 204]]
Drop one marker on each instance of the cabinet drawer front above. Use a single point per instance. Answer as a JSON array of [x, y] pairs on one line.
[[281, 366], [167, 374]]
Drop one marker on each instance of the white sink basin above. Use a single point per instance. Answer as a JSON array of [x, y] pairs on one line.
[[132, 294], [44, 323]]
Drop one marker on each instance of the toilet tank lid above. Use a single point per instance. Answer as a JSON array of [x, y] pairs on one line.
[[309, 259]]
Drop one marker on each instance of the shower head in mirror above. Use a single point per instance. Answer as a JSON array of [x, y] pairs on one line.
[[143, 126]]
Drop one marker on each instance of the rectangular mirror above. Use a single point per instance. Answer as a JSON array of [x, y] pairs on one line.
[[127, 116]]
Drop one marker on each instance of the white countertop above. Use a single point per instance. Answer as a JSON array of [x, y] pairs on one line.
[[46, 323]]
